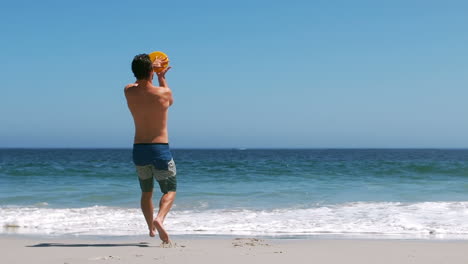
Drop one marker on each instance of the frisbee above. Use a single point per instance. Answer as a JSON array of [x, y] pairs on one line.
[[161, 56]]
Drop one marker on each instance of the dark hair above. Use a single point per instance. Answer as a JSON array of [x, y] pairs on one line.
[[142, 66]]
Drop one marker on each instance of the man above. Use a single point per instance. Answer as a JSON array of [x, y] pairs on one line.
[[151, 154]]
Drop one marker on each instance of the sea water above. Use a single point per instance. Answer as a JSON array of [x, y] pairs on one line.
[[401, 193]]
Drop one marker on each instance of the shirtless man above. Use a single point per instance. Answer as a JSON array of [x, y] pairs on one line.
[[151, 154]]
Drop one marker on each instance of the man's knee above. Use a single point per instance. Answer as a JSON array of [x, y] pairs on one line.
[[146, 195], [168, 197]]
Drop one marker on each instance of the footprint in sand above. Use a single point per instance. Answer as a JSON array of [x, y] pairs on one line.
[[106, 258], [251, 242]]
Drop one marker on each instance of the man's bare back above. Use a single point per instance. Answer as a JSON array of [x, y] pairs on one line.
[[148, 105]]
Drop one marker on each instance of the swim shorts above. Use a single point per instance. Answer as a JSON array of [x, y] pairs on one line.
[[154, 161]]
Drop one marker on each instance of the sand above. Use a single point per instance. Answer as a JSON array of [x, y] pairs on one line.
[[17, 249]]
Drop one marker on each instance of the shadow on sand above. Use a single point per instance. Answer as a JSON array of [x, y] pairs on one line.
[[141, 244]]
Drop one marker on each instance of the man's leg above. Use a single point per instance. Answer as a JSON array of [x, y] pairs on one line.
[[147, 208], [165, 205]]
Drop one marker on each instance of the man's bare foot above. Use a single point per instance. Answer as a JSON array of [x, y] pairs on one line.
[[162, 232], [152, 231]]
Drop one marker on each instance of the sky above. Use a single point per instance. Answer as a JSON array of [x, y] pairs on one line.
[[246, 74]]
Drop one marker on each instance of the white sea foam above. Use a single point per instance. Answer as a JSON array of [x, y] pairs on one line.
[[412, 220]]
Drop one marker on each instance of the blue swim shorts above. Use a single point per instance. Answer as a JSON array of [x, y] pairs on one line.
[[154, 161]]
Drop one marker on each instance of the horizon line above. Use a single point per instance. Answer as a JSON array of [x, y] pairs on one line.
[[255, 148]]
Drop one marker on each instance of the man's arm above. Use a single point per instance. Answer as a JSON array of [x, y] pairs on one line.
[[163, 83], [162, 77]]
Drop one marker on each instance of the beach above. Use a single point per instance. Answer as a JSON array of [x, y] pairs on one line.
[[229, 250], [242, 131], [409, 194], [238, 206]]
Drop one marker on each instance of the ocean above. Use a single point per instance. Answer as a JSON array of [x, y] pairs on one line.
[[281, 193]]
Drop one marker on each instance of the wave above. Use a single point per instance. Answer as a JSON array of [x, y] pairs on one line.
[[409, 220]]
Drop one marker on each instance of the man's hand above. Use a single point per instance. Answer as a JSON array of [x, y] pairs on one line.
[[162, 74], [160, 66], [159, 62]]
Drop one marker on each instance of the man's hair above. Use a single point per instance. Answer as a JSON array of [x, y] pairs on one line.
[[142, 66]]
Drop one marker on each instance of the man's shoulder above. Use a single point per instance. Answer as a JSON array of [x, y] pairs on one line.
[[147, 90], [130, 86], [157, 90]]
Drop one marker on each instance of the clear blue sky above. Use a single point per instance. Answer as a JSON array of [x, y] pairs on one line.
[[254, 74]]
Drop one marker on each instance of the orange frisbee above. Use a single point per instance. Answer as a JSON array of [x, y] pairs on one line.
[[161, 56]]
